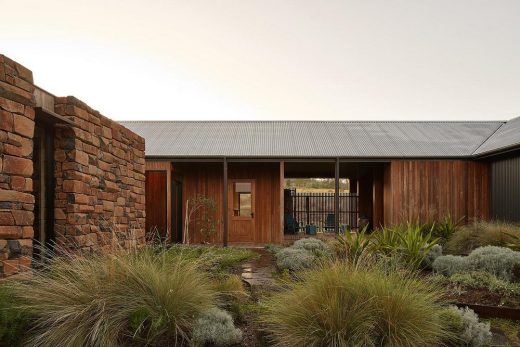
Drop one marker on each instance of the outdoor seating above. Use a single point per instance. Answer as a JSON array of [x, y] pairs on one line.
[[291, 226]]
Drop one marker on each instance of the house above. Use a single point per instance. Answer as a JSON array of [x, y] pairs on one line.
[[68, 175], [398, 171]]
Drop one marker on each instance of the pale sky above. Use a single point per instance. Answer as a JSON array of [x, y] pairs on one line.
[[273, 59]]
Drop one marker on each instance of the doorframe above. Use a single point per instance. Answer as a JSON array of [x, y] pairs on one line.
[[229, 210], [46, 189]]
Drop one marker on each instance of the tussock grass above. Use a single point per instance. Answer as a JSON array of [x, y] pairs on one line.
[[480, 234], [343, 305], [115, 299]]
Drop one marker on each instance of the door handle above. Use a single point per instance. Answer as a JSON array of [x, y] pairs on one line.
[[252, 215]]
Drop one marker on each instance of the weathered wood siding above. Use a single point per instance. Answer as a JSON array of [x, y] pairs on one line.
[[424, 190], [156, 203], [268, 200], [165, 167], [207, 179]]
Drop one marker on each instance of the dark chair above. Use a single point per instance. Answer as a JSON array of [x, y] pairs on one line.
[[330, 222], [290, 224]]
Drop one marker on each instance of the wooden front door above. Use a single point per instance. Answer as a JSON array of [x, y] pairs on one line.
[[156, 204], [241, 211]]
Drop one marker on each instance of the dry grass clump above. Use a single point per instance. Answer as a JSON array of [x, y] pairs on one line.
[[479, 234], [345, 305], [117, 299]]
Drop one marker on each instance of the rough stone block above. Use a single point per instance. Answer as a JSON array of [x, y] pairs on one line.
[[10, 232], [18, 166], [6, 120], [23, 125]]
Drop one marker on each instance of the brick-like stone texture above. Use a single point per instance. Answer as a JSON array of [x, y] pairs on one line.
[[100, 180], [99, 176], [16, 166]]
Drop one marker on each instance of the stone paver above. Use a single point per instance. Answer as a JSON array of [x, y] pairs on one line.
[[259, 271]]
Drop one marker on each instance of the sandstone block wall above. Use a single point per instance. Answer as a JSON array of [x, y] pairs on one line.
[[99, 175], [99, 180], [16, 166]]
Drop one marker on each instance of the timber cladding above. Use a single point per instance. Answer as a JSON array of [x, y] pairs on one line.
[[425, 190], [207, 179]]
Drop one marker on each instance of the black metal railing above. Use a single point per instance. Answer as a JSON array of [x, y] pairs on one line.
[[318, 209]]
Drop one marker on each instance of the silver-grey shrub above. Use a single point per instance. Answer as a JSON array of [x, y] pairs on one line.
[[499, 261], [311, 244], [472, 333], [295, 259], [447, 265], [434, 253], [216, 327]]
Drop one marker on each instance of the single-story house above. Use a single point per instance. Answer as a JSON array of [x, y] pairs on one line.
[[397, 171]]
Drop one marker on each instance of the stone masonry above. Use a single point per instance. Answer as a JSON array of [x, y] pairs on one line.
[[99, 175], [99, 180], [16, 166]]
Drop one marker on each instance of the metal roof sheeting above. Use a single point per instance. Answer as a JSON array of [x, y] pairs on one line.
[[289, 139], [507, 136]]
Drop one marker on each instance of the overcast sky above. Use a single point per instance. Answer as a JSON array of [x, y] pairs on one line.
[[273, 59]]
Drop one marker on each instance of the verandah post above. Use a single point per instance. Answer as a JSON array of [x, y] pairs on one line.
[[225, 202], [336, 197]]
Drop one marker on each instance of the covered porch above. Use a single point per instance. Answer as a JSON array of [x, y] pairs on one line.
[[254, 206]]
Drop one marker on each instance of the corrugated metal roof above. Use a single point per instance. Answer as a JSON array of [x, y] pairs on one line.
[[312, 139], [507, 136]]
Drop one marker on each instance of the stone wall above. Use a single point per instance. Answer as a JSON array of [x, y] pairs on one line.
[[99, 180], [99, 175], [16, 166]]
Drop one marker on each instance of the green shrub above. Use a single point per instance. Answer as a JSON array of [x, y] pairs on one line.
[[386, 241], [434, 253], [135, 297], [480, 234], [295, 259], [353, 247], [216, 327], [342, 305], [499, 261], [407, 241], [14, 321], [444, 228], [465, 326]]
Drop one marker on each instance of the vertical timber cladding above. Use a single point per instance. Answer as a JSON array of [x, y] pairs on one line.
[[425, 190], [156, 203], [505, 189], [207, 179]]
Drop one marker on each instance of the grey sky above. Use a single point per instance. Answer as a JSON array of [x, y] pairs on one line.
[[267, 59]]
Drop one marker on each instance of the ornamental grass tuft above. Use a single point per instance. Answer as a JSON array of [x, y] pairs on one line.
[[117, 299], [344, 305]]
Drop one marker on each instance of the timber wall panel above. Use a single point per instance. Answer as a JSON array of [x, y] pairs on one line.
[[426, 190], [207, 179]]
